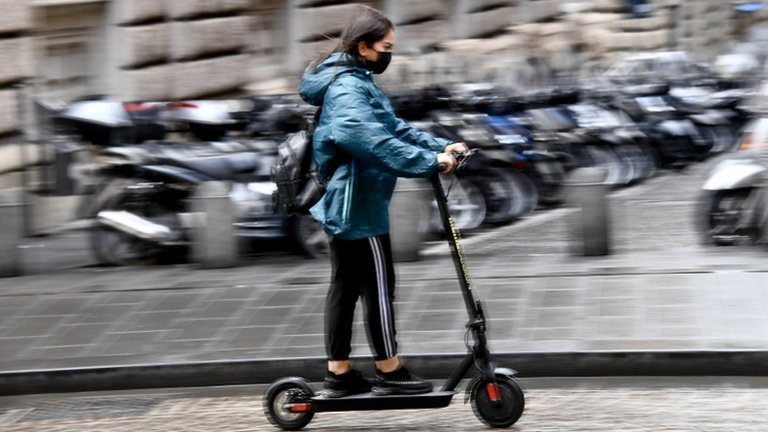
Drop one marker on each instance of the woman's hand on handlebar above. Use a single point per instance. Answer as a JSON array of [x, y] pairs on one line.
[[457, 147], [446, 162]]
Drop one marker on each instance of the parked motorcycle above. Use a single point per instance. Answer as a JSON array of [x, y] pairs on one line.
[[618, 134], [675, 138], [144, 212], [507, 193], [142, 186], [734, 208], [559, 130], [217, 120], [104, 122], [490, 118], [715, 113], [546, 169]]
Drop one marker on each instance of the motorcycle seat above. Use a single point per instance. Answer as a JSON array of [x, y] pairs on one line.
[[219, 167]]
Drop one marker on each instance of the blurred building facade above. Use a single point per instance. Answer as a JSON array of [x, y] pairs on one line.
[[181, 49]]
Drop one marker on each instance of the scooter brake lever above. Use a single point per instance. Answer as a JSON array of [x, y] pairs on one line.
[[463, 158]]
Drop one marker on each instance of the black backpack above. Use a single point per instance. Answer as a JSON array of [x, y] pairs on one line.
[[295, 173]]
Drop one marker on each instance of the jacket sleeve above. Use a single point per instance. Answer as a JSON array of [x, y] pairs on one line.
[[356, 130], [419, 137]]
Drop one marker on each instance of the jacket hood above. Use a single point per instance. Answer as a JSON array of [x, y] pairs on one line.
[[315, 82]]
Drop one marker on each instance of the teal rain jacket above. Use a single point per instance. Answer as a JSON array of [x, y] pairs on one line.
[[358, 119]]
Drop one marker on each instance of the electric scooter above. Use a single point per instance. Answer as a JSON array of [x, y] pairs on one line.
[[496, 396]]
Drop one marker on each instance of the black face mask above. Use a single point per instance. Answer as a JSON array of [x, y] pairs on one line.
[[381, 64]]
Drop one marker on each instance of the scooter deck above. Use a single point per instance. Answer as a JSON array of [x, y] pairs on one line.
[[368, 401]]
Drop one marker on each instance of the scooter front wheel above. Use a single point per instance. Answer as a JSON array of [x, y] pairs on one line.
[[499, 405], [288, 403]]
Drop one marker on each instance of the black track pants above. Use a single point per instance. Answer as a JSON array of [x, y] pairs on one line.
[[361, 269]]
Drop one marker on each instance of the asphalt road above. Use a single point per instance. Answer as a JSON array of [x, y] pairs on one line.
[[595, 404]]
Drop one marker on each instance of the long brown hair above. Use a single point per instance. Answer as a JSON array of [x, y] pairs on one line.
[[366, 25]]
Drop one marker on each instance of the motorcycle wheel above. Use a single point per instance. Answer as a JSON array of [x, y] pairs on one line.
[[308, 236], [618, 172], [641, 161], [649, 160], [507, 194], [675, 151], [465, 203], [629, 166], [115, 248], [719, 215]]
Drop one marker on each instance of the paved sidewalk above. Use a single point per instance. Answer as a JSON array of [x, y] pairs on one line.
[[644, 404], [660, 304]]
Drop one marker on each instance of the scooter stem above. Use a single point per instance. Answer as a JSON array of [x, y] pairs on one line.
[[479, 355], [456, 251]]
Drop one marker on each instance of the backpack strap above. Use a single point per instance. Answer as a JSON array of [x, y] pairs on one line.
[[309, 129]]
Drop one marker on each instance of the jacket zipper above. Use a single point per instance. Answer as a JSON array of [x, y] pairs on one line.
[[348, 193]]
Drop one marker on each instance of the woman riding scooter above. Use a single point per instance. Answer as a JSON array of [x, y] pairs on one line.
[[359, 132]]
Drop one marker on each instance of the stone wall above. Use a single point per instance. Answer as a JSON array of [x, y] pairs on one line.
[[179, 49], [703, 27], [16, 50], [161, 49], [419, 25]]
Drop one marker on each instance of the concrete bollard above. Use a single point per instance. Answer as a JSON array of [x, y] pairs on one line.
[[589, 226], [409, 218], [213, 233], [12, 215]]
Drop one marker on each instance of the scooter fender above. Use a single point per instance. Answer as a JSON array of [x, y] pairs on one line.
[[510, 373], [734, 174]]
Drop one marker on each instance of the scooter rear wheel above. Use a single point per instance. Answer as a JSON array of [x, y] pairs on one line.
[[288, 405], [507, 410]]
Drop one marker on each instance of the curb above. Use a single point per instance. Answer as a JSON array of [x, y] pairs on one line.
[[431, 366]]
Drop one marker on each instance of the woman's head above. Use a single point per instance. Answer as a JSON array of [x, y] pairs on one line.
[[368, 26], [368, 37]]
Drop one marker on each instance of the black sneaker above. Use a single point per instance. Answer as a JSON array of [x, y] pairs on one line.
[[399, 381], [345, 384]]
